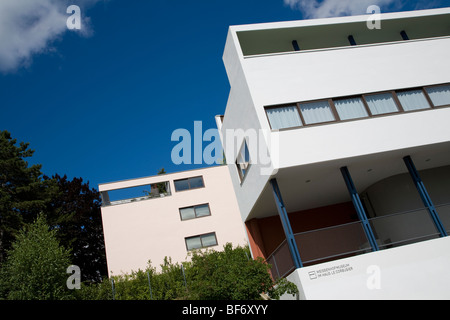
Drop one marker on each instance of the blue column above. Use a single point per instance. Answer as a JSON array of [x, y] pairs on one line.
[[424, 195], [286, 224], [359, 208]]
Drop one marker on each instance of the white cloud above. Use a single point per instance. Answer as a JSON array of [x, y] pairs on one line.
[[335, 8], [28, 27]]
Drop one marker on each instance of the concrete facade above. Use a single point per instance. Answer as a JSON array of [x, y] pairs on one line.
[[407, 56]]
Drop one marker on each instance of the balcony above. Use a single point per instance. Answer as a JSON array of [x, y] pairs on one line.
[[334, 33], [346, 240], [135, 193]]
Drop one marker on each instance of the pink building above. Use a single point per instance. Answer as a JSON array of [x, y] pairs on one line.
[[168, 215]]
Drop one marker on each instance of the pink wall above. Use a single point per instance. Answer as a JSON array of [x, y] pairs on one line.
[[152, 229]]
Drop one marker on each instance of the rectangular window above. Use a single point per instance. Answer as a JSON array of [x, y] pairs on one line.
[[201, 241], [381, 103], [316, 112], [284, 117], [303, 114], [189, 183], [439, 95], [350, 108], [413, 100], [195, 212], [243, 160]]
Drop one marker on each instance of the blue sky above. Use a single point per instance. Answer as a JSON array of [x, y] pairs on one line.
[[101, 103]]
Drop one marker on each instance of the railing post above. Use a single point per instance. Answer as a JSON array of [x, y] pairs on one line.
[[286, 224], [424, 195], [359, 208]]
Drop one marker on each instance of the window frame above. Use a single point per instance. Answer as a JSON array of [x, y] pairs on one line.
[[295, 105], [429, 98], [200, 237], [332, 109], [190, 188], [366, 107], [394, 98], [238, 165], [400, 108], [195, 213]]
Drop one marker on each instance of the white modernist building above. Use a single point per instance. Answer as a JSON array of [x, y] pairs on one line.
[[354, 201]]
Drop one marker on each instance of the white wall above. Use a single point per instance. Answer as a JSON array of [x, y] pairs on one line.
[[398, 194], [313, 75], [241, 116], [417, 271], [265, 80], [362, 137], [316, 74]]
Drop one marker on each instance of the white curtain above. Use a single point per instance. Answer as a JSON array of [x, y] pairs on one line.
[[351, 108], [381, 103], [413, 100], [440, 96], [284, 117], [316, 112]]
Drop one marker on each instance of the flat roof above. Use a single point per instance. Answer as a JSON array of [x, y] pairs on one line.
[[338, 20], [134, 182]]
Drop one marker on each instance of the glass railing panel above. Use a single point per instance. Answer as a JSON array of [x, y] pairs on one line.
[[403, 228], [281, 261], [443, 211], [136, 193], [346, 240], [332, 243]]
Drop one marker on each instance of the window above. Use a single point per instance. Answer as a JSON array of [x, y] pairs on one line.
[[189, 183], [284, 117], [303, 114], [439, 95], [243, 161], [201, 241], [350, 108], [381, 103], [195, 212], [413, 100], [316, 112]]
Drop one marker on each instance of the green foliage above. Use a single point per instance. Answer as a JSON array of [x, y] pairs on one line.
[[210, 275], [23, 193], [75, 212], [36, 265], [228, 275], [71, 207]]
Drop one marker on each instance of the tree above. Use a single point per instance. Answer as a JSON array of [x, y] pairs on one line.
[[36, 265], [72, 207], [75, 212], [23, 193], [231, 275]]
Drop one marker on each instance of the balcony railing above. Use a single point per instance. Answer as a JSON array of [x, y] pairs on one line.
[[444, 213], [346, 240], [137, 193]]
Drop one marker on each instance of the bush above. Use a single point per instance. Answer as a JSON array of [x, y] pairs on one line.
[[210, 275]]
